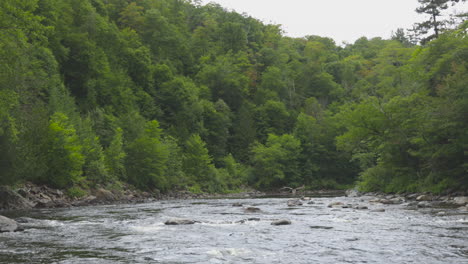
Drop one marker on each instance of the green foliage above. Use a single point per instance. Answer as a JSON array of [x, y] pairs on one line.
[[65, 158], [276, 163], [197, 163], [146, 159], [115, 157], [80, 82], [76, 192]]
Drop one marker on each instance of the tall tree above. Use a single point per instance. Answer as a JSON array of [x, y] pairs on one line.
[[434, 9]]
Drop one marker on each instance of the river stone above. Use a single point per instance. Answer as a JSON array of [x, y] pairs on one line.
[[336, 204], [378, 210], [252, 209], [461, 200], [104, 195], [424, 204], [352, 193], [180, 222], [294, 202], [424, 197], [237, 204], [8, 225], [10, 200], [361, 207], [281, 222]]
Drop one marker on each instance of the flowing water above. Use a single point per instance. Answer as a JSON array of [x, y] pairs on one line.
[[318, 234]]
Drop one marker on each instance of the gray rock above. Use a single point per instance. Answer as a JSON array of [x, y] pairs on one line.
[[281, 222], [294, 203], [412, 196], [180, 222], [8, 225], [461, 200], [336, 204], [378, 210], [411, 204], [361, 207], [397, 200], [352, 193], [424, 204], [104, 195], [252, 210], [10, 200], [311, 202], [237, 204], [424, 197]]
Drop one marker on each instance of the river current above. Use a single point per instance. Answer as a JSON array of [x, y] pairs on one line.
[[229, 234]]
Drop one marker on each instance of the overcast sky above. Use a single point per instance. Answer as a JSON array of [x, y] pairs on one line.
[[342, 20]]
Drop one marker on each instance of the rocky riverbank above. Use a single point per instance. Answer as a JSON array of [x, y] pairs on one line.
[[416, 200], [31, 196]]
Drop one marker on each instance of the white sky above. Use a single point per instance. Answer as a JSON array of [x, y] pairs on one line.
[[342, 20]]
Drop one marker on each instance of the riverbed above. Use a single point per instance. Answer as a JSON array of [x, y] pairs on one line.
[[224, 233]]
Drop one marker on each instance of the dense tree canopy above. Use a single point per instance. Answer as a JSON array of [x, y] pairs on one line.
[[170, 94]]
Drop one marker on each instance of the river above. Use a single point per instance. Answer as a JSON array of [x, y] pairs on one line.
[[317, 234]]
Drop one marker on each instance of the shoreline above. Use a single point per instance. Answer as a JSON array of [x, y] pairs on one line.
[[31, 196]]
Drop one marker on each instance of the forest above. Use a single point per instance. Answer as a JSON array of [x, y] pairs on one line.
[[175, 95]]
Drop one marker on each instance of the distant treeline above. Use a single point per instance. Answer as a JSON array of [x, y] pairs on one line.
[[169, 94]]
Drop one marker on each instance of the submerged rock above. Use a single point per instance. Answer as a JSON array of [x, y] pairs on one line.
[[8, 225], [424, 204], [252, 210], [360, 207], [378, 210], [180, 222], [336, 204], [321, 227], [281, 222], [237, 204]]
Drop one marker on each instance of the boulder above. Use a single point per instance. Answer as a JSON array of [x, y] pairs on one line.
[[336, 204], [360, 207], [252, 210], [424, 204], [104, 195], [460, 200], [8, 225], [352, 193], [378, 210], [281, 222], [424, 197], [180, 222], [294, 203], [10, 200]]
